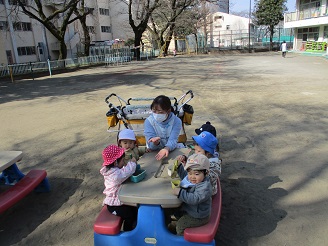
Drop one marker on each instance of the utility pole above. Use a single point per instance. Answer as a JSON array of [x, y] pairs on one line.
[[46, 41], [249, 26]]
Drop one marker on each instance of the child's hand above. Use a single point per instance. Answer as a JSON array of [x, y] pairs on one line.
[[155, 140], [176, 191], [182, 159], [133, 160], [148, 150]]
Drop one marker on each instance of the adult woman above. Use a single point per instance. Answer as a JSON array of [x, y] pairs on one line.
[[162, 127]]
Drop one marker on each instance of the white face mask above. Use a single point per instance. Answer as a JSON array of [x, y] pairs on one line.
[[160, 117]]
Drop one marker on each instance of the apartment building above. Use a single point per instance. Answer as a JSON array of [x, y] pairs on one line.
[[310, 24], [23, 39]]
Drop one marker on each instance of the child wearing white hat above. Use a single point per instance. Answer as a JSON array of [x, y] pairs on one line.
[[127, 141]]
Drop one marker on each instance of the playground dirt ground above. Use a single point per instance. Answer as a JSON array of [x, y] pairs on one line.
[[270, 112]]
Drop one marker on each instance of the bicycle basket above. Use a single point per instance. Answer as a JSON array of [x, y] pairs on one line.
[[188, 113], [112, 119]]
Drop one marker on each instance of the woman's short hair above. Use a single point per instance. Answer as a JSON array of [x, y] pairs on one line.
[[163, 101]]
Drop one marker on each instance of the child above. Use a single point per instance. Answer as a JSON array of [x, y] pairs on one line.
[[284, 49], [209, 128], [115, 173], [206, 127], [127, 141], [196, 196], [205, 143]]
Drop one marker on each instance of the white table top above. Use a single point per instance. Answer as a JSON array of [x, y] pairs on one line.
[[156, 187], [7, 158]]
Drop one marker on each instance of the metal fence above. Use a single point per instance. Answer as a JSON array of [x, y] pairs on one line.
[[32, 68]]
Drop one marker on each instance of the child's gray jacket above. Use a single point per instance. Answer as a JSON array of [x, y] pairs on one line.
[[197, 199]]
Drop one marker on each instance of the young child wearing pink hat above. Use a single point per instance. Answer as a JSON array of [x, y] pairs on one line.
[[127, 141], [115, 172]]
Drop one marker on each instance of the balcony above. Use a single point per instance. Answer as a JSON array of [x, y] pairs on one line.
[[53, 2], [306, 17]]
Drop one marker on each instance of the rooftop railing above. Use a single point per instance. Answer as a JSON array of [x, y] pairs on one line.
[[306, 14]]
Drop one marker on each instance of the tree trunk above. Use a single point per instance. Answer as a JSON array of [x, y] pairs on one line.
[[137, 42], [196, 38], [168, 40], [62, 49], [86, 34], [271, 36]]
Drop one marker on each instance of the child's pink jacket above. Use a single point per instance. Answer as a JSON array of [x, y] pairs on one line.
[[113, 178]]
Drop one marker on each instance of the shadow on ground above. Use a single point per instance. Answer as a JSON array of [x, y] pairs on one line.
[[33, 210], [248, 210]]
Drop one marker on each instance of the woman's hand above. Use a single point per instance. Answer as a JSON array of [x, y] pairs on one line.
[[162, 153], [155, 140]]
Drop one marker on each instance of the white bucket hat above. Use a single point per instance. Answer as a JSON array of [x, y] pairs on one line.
[[127, 134]]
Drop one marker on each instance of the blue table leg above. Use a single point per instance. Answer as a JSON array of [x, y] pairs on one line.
[[150, 230], [11, 175]]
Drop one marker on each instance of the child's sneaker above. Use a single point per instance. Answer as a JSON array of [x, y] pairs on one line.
[[172, 227]]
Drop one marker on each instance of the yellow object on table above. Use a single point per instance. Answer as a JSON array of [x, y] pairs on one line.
[[175, 183], [175, 169]]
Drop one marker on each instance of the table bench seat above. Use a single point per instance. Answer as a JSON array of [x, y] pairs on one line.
[[23, 187], [107, 223], [206, 233]]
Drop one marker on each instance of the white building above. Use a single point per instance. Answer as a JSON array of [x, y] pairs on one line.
[[310, 23], [226, 30], [23, 39]]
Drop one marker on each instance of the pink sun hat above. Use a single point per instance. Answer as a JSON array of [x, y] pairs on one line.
[[111, 153]]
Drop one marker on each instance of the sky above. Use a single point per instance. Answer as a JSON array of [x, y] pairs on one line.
[[240, 5]]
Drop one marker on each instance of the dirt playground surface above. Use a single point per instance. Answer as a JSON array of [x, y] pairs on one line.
[[270, 112]]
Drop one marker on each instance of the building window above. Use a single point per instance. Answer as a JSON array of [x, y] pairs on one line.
[[105, 29], [228, 27], [216, 18], [325, 32], [104, 11], [310, 9], [308, 34], [15, 2], [88, 10], [26, 51], [26, 26], [3, 25], [91, 29], [22, 26]]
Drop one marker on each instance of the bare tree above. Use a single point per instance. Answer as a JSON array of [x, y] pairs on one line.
[[163, 21], [35, 10], [82, 13], [139, 14]]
